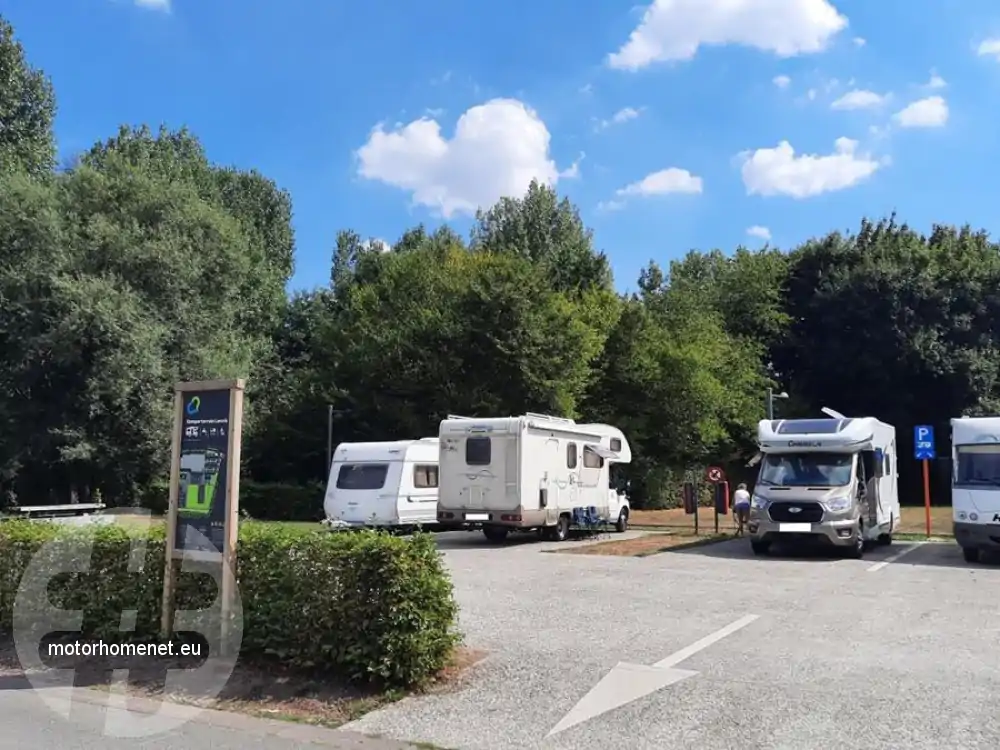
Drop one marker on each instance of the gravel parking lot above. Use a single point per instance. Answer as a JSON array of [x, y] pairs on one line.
[[896, 650]]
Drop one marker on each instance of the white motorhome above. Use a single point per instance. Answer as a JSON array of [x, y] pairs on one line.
[[830, 480], [532, 472], [383, 485], [975, 488]]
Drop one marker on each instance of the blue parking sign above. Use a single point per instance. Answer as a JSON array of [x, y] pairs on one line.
[[923, 442]]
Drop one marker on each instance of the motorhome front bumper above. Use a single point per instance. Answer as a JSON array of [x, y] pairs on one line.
[[977, 535], [784, 521]]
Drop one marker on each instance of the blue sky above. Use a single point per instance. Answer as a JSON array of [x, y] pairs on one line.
[[295, 90]]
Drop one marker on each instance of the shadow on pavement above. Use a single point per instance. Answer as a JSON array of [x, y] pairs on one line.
[[739, 549], [945, 555], [455, 540]]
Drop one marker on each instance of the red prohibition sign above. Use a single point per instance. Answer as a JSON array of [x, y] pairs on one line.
[[714, 474]]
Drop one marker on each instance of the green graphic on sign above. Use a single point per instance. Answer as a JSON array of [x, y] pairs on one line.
[[199, 478]]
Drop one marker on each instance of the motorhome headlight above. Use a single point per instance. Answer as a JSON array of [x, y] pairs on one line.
[[838, 504], [962, 515], [758, 502], [973, 516]]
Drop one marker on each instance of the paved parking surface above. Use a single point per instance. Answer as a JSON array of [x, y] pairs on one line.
[[896, 650]]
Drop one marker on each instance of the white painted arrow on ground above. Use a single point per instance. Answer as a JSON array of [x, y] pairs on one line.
[[630, 682]]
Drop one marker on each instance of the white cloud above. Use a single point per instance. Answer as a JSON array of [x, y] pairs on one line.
[[989, 48], [781, 81], [621, 116], [931, 112], [377, 244], [497, 149], [672, 180], [936, 81], [154, 4], [608, 206], [778, 171], [676, 29], [859, 41], [760, 232], [859, 99]]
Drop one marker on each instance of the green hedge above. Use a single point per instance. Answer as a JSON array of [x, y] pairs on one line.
[[365, 606], [263, 502]]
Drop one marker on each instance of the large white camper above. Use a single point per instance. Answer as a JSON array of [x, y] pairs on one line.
[[383, 485], [531, 472], [975, 488], [830, 480]]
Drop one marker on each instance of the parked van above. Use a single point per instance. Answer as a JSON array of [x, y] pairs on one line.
[[829, 480], [383, 485], [975, 484], [532, 472]]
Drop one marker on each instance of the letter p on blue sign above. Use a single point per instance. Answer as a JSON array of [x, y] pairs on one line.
[[923, 442]]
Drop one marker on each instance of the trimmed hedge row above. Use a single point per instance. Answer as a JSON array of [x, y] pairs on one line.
[[367, 607]]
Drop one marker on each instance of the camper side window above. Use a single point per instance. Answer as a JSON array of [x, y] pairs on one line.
[[616, 445], [425, 476], [478, 451], [590, 459], [571, 456], [362, 476]]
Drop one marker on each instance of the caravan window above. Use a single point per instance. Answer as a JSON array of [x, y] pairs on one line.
[[616, 445], [425, 475], [978, 465], [590, 459], [478, 451], [571, 456], [362, 476]]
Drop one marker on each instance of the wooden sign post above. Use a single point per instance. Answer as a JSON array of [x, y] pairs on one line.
[[203, 515]]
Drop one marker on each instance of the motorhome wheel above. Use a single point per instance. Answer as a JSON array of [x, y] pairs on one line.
[[760, 548], [857, 550], [971, 554], [622, 524], [562, 529]]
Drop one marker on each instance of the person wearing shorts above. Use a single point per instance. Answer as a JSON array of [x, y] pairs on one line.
[[741, 506]]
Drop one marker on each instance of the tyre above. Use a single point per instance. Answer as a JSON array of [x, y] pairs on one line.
[[760, 548], [622, 525], [971, 554], [561, 531], [495, 533], [857, 548], [885, 540]]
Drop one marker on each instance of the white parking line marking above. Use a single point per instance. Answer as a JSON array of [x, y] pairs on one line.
[[893, 558]]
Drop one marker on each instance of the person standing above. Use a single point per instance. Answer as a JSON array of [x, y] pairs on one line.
[[741, 506]]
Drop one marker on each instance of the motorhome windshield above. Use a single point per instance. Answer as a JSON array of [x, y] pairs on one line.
[[977, 465], [807, 469]]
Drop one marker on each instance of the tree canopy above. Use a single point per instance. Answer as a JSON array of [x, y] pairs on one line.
[[145, 263]]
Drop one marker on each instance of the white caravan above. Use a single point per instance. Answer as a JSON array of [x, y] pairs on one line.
[[530, 472], [383, 485], [975, 484], [830, 480]]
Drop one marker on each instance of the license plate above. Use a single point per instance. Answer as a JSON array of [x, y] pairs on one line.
[[795, 527], [477, 516]]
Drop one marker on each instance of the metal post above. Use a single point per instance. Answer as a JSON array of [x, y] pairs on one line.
[[770, 403], [329, 440]]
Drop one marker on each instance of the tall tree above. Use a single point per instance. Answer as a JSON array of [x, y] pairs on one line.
[[27, 110], [548, 231]]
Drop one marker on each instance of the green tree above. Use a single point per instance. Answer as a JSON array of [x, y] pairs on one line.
[[27, 111], [547, 231]]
